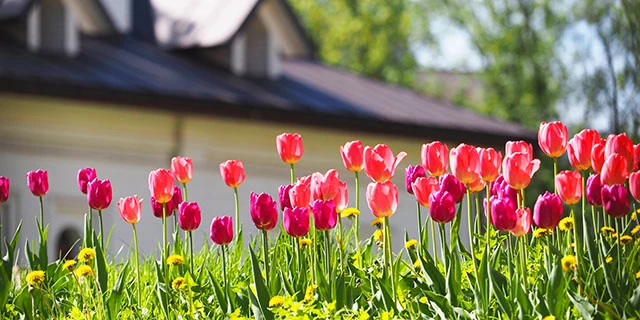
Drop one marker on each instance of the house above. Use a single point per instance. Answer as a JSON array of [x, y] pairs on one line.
[[123, 85]]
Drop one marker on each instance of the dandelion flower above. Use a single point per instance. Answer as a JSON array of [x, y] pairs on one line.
[[179, 283], [175, 260], [541, 232], [84, 271], [635, 230], [349, 213], [86, 255], [310, 293], [638, 274], [549, 318], [276, 301], [411, 244], [377, 223], [416, 264], [607, 231], [566, 224], [569, 263], [69, 265], [608, 260], [305, 242], [378, 235], [625, 240], [35, 278]]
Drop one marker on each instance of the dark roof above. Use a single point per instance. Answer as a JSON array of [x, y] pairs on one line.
[[129, 71]]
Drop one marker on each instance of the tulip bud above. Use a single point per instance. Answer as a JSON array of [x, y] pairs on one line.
[[130, 209], [4, 189], [264, 211], [290, 148], [182, 169], [547, 211], [503, 213], [85, 176], [580, 147], [382, 198], [232, 172], [442, 206], [379, 162], [411, 174], [435, 158], [455, 188], [283, 196], [161, 185], [38, 182], [353, 155], [325, 216], [523, 222], [490, 162], [221, 231], [465, 163], [615, 200], [552, 138], [569, 184], [189, 216], [594, 190], [296, 221], [99, 194]]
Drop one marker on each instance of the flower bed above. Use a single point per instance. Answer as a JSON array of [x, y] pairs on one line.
[[574, 254]]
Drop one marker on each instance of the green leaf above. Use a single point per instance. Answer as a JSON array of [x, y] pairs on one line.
[[102, 270], [582, 304], [115, 298], [218, 292], [261, 303], [161, 291]]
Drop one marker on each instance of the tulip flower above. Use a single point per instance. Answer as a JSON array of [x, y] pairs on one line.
[[130, 209], [622, 145], [342, 197], [615, 200], [411, 174], [353, 155], [382, 198], [290, 147], [523, 222], [4, 189], [283, 196], [477, 185], [435, 158], [85, 176], [512, 147], [634, 185], [614, 170], [161, 185], [597, 156], [490, 162], [636, 156], [594, 190], [502, 189], [503, 213], [379, 162], [518, 168], [300, 193], [325, 216], [580, 147], [422, 189], [99, 194], [232, 172], [157, 208], [552, 138], [547, 211], [182, 169], [465, 163], [264, 211], [189, 216], [569, 185], [325, 187], [296, 221], [38, 182], [221, 231], [442, 206], [455, 188]]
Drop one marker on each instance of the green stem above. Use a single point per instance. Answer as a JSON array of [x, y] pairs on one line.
[[101, 229], [235, 194], [191, 262], [164, 234], [577, 241], [135, 241], [433, 235], [265, 250], [555, 173], [470, 224], [443, 245], [293, 175], [184, 191], [487, 234], [327, 249], [90, 219], [340, 246], [224, 272], [357, 221], [619, 230], [388, 248], [419, 216], [41, 213]]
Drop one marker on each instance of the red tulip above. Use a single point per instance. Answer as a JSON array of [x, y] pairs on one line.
[[634, 185], [636, 156], [382, 198], [477, 186], [264, 211], [434, 158], [442, 207], [552, 138], [172, 205], [614, 170], [622, 145], [615, 200], [379, 162], [325, 187], [221, 231], [325, 216], [353, 155], [465, 163], [580, 147], [490, 162], [594, 190], [283, 196], [290, 147], [450, 184], [597, 156], [4, 189], [523, 222], [412, 173], [518, 168], [569, 184], [161, 185], [296, 221], [99, 194], [85, 176], [422, 189], [342, 198], [300, 193], [182, 168], [38, 182], [130, 209], [232, 172], [503, 213], [189, 216], [547, 211], [512, 147]]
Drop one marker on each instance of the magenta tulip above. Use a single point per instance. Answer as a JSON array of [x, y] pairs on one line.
[[412, 173], [4, 189], [221, 231], [456, 189], [296, 221], [503, 213], [615, 200], [594, 190], [325, 216], [442, 206], [189, 216], [99, 194], [264, 211], [85, 176], [547, 211], [283, 196], [38, 182]]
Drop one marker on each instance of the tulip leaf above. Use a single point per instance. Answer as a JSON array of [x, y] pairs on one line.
[[261, 302], [161, 291], [387, 298], [218, 292], [102, 271], [115, 298], [582, 305]]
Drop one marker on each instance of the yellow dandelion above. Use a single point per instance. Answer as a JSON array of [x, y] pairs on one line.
[[549, 318], [276, 301], [625, 240], [638, 274], [179, 283], [566, 224], [569, 263], [608, 260], [416, 264], [304, 242], [86, 255], [175, 260], [411, 244], [607, 231], [423, 300], [634, 215], [310, 293], [377, 223], [69, 265], [349, 213], [541, 232], [614, 235], [572, 245], [635, 230], [35, 278], [84, 271], [378, 235]]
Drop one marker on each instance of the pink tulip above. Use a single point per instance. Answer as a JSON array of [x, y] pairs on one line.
[[523, 222], [264, 211], [622, 145], [580, 147], [221, 230], [161, 185], [518, 168], [296, 221], [182, 168], [130, 209], [99, 194], [614, 170], [615, 200], [85, 176], [382, 198], [597, 156], [38, 182], [434, 157], [634, 185], [232, 172], [353, 155], [325, 216], [547, 211], [325, 187], [423, 188], [465, 163], [569, 184], [290, 147], [342, 198], [283, 196], [412, 173], [300, 193], [189, 216], [512, 147], [379, 162], [552, 138], [490, 162], [4, 189]]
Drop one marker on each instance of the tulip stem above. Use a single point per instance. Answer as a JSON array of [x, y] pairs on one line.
[[419, 216], [327, 250], [224, 273], [265, 250], [190, 236], [135, 241], [41, 213], [184, 190], [357, 221], [617, 221], [470, 222], [235, 194], [90, 218], [555, 173], [487, 234], [433, 235], [576, 241], [164, 234], [293, 174], [101, 229], [389, 249], [340, 243]]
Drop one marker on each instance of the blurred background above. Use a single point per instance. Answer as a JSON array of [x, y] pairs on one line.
[[124, 85]]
